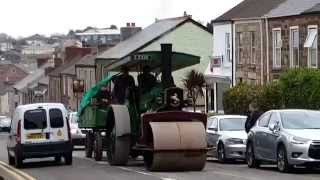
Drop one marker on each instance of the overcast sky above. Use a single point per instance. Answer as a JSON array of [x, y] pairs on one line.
[[27, 17]]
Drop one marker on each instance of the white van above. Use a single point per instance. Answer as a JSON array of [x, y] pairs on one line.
[[38, 131]]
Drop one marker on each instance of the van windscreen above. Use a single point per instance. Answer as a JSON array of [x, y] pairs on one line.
[[35, 119], [56, 118]]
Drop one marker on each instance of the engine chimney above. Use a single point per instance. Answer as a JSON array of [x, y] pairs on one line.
[[166, 57]]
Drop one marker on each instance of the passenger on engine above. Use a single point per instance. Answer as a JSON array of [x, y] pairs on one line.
[[103, 97], [146, 80], [124, 86]]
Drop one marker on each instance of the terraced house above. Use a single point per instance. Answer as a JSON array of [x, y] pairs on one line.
[[257, 40]]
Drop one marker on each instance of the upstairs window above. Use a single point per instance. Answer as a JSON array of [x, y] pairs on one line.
[[252, 47], [312, 45], [240, 47], [228, 48], [277, 44], [294, 47]]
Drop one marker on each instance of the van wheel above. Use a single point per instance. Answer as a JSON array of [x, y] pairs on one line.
[[98, 150], [17, 160], [10, 159], [68, 158]]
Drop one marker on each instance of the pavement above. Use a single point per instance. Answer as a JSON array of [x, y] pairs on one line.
[[87, 169]]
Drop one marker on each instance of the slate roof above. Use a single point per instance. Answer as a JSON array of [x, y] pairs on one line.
[[144, 37], [249, 9], [293, 7], [31, 78], [270, 9]]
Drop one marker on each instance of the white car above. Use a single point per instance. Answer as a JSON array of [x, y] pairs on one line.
[[77, 136], [5, 123], [38, 131], [226, 133]]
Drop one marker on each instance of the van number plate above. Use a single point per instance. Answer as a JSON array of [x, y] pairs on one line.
[[35, 136]]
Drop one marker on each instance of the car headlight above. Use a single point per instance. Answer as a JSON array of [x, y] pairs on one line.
[[299, 140], [235, 141]]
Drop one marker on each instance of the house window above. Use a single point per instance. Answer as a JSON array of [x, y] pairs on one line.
[[228, 48], [294, 47], [277, 43], [252, 47], [240, 47], [312, 45]]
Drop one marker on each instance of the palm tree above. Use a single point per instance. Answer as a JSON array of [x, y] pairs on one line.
[[194, 82]]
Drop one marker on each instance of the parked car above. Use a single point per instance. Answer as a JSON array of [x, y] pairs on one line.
[[38, 131], [5, 123], [286, 138], [226, 134], [77, 135]]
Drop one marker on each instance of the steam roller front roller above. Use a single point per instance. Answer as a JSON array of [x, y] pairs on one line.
[[177, 146], [119, 138]]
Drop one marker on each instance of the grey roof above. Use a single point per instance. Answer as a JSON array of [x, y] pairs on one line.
[[313, 10], [142, 38], [31, 78], [249, 9], [292, 7], [270, 9]]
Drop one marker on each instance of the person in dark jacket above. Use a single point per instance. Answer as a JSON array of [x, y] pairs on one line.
[[146, 80], [123, 86], [253, 116], [103, 97]]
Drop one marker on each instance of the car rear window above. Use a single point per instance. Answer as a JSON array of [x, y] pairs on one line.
[[56, 118], [35, 119]]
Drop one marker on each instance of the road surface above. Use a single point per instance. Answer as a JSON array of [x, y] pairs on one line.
[[87, 169]]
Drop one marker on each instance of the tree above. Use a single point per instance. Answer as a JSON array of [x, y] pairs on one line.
[[194, 82], [113, 26]]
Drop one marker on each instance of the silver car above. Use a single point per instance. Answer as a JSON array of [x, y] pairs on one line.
[[226, 133], [285, 137]]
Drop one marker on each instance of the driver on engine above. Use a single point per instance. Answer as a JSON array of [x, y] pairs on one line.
[[123, 86]]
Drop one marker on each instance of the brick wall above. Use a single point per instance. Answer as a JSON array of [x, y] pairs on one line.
[[285, 23], [248, 54]]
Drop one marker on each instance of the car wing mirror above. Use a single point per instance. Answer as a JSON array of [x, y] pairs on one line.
[[272, 127]]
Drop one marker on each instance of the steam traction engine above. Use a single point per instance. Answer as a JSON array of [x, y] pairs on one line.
[[152, 125]]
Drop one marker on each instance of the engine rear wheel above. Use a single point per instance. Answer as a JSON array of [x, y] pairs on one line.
[[89, 145], [98, 149]]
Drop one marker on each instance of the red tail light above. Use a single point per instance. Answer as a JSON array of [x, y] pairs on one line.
[[18, 137]]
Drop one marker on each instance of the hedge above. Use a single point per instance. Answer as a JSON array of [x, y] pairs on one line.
[[296, 88]]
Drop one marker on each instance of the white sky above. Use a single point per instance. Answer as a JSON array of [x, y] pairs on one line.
[[27, 17]]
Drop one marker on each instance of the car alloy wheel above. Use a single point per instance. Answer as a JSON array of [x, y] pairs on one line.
[[221, 153], [282, 161], [251, 160]]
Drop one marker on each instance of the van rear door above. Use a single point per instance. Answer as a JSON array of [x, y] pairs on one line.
[[34, 127], [58, 124]]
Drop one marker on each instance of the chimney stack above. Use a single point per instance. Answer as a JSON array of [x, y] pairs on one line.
[[128, 24], [133, 24]]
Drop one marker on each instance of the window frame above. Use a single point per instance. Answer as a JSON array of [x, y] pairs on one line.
[[291, 46], [253, 47], [268, 114], [276, 63], [50, 120], [239, 46], [228, 47], [310, 49]]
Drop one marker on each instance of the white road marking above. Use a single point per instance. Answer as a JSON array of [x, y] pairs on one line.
[[127, 169]]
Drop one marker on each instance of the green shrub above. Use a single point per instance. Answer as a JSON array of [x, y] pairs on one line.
[[300, 88], [270, 97], [237, 99]]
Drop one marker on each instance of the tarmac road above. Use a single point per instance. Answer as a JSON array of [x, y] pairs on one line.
[[87, 169]]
